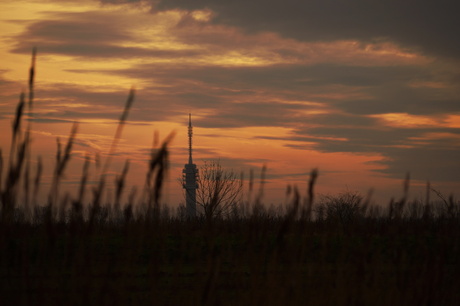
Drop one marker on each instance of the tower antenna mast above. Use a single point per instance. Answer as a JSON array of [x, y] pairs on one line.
[[190, 176], [190, 135]]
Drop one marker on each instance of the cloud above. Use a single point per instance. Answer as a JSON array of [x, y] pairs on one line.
[[49, 120], [188, 38], [424, 163], [9, 91], [88, 34], [403, 149], [329, 107], [424, 25], [354, 90], [332, 73], [69, 29]]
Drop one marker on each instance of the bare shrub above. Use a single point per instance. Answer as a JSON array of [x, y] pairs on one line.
[[344, 208], [219, 190]]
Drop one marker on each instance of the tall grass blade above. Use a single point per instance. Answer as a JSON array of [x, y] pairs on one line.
[[119, 130], [32, 78], [38, 175], [62, 160], [306, 212]]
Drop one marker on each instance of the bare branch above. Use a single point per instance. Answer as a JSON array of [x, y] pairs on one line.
[[219, 190]]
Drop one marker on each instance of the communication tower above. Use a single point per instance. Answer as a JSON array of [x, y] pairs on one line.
[[190, 176]]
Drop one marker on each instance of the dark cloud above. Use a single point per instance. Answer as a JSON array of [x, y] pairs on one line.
[[9, 91], [78, 34], [425, 25], [90, 35], [368, 138], [120, 1], [99, 50], [88, 27], [428, 153], [411, 102], [424, 163], [251, 114], [255, 96], [69, 103], [238, 165], [361, 90], [404, 149], [342, 120], [49, 120]]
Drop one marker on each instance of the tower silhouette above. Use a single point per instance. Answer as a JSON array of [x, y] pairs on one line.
[[189, 176]]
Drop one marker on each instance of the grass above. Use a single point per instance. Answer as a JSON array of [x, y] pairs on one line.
[[335, 250]]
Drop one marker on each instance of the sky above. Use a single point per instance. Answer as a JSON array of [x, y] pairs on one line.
[[364, 91]]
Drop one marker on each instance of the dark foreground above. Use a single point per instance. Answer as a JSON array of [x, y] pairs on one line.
[[259, 260]]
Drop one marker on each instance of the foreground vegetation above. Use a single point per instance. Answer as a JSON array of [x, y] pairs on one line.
[[261, 259], [336, 250]]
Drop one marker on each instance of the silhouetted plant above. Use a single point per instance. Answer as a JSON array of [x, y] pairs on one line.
[[219, 191], [345, 207]]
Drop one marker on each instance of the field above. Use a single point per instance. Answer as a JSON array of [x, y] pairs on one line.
[[261, 259], [336, 250]]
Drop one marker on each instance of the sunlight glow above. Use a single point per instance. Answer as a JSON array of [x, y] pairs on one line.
[[407, 120], [453, 121]]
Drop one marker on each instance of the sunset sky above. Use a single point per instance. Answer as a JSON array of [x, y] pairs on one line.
[[365, 91]]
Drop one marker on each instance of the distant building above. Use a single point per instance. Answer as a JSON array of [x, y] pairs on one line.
[[190, 176]]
